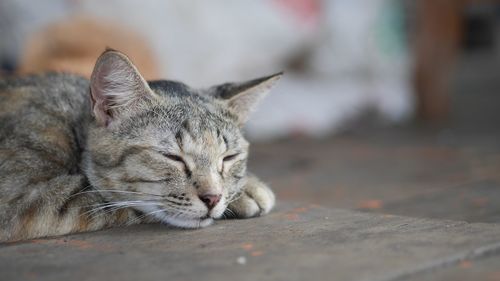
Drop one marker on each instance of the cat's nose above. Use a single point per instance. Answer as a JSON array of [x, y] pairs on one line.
[[210, 200]]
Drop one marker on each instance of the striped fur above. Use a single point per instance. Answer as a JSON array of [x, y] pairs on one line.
[[131, 153]]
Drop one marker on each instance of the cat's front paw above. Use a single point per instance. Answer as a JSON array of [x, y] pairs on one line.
[[257, 199]]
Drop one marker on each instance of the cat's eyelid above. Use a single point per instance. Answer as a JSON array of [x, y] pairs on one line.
[[174, 157], [171, 155], [179, 159], [231, 156]]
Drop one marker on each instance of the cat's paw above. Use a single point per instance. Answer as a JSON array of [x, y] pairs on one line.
[[257, 199]]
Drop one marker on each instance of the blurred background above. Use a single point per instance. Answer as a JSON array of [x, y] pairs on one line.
[[386, 106]]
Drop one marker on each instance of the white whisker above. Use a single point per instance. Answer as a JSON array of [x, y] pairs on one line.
[[118, 205]]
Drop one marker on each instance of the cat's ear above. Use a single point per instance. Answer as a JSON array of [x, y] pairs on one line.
[[116, 86], [242, 98]]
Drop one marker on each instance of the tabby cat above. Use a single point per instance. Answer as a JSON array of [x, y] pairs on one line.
[[79, 155]]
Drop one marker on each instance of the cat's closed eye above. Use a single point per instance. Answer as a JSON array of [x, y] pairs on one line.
[[180, 160], [230, 157], [174, 157]]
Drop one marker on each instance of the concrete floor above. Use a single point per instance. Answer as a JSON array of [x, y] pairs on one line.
[[387, 173], [296, 242]]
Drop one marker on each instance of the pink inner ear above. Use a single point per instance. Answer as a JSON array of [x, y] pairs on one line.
[[100, 110], [115, 85], [98, 99]]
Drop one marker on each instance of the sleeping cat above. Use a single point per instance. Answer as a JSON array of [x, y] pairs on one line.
[[79, 155]]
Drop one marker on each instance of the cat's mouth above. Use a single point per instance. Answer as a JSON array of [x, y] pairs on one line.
[[187, 219]]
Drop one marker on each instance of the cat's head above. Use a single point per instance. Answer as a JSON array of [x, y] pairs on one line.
[[172, 152]]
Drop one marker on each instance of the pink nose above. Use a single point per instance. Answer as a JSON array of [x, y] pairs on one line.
[[210, 200]]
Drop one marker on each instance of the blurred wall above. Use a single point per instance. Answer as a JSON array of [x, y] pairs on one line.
[[343, 58]]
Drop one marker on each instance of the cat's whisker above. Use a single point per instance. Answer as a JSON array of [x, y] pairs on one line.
[[121, 202], [233, 198], [130, 192], [230, 212], [116, 191], [96, 210], [118, 205], [145, 215]]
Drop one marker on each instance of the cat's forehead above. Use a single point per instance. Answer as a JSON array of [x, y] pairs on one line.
[[206, 131], [181, 102], [202, 137], [180, 98], [171, 88], [179, 117], [203, 140], [181, 109]]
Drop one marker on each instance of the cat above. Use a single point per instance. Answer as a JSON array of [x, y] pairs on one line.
[[81, 155]]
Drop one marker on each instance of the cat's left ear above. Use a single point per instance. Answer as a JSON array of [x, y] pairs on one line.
[[116, 87], [242, 98]]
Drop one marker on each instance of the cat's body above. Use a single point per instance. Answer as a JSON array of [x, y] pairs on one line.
[[133, 152]]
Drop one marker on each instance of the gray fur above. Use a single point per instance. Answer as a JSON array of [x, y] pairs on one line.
[[135, 151]]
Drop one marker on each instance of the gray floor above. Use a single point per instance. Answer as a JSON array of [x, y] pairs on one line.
[[296, 242], [413, 177]]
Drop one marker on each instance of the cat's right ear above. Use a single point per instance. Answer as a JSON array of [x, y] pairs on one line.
[[241, 98], [116, 87]]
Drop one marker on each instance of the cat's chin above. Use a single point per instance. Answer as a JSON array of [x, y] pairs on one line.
[[177, 221], [188, 223]]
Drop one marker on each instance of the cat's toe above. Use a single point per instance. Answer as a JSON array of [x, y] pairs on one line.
[[244, 207], [257, 200], [263, 197]]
